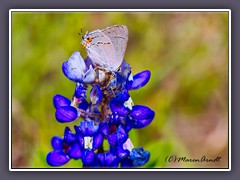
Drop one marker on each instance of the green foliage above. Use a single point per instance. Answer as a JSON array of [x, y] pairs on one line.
[[159, 150]]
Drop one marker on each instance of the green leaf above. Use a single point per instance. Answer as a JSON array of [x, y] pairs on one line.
[[158, 152]]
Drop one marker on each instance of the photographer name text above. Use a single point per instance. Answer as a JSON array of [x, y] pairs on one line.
[[191, 160]]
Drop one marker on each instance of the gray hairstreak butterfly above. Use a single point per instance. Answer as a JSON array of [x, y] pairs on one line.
[[106, 47]]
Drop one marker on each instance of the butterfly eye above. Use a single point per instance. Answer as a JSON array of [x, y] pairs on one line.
[[89, 39]]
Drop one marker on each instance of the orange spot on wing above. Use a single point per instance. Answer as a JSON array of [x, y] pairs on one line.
[[89, 40]]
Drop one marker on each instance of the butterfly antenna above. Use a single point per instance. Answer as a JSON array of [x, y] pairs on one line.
[[81, 33]]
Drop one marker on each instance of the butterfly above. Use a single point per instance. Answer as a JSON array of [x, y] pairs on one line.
[[106, 48]]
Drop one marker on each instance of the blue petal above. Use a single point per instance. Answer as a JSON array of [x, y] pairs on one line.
[[129, 82], [121, 134], [60, 101], [88, 128], [80, 137], [80, 90], [97, 141], [88, 62], [119, 108], [74, 68], [57, 143], [120, 80], [57, 158], [96, 94], [115, 118], [121, 153], [83, 104], [69, 137], [141, 116], [95, 164], [139, 156], [112, 139], [108, 159], [123, 96], [129, 123], [140, 80], [111, 160], [66, 114], [117, 104], [101, 158], [75, 151], [104, 128], [125, 69], [89, 76], [88, 157]]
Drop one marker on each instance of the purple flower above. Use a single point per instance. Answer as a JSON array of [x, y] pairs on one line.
[[118, 135], [108, 160], [140, 116], [75, 151], [66, 114], [80, 90], [89, 135], [96, 94], [57, 158], [139, 80], [121, 103], [64, 111], [136, 116], [75, 69], [138, 157], [69, 137], [64, 149], [119, 151], [88, 157], [60, 101], [125, 70]]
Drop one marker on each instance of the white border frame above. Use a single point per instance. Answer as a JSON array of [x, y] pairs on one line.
[[120, 10]]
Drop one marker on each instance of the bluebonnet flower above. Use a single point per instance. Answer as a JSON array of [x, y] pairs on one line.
[[96, 94], [76, 69], [64, 149], [109, 116], [64, 111], [108, 159], [137, 158]]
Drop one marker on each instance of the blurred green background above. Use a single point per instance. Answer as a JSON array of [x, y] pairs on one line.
[[186, 52]]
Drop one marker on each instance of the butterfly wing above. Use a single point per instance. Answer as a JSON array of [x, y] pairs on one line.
[[99, 48], [118, 35]]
